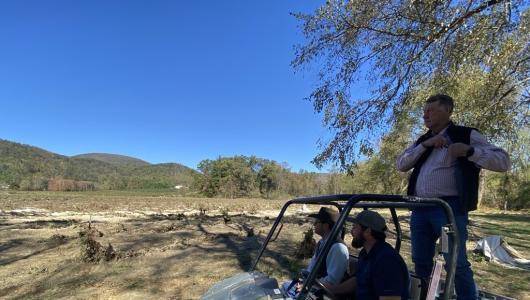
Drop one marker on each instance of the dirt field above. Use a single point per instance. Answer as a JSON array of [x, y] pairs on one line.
[[168, 247]]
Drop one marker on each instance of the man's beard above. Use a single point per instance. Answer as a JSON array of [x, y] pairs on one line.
[[358, 242]]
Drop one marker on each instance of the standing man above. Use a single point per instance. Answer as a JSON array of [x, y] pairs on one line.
[[446, 162], [333, 268]]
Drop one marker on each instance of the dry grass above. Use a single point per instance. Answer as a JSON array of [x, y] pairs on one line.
[[141, 202], [171, 247]]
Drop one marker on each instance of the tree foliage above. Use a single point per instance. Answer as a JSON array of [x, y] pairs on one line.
[[270, 178], [476, 51], [511, 190], [229, 177], [242, 176]]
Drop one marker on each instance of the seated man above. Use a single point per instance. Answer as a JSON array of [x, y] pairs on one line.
[[381, 272], [333, 268]]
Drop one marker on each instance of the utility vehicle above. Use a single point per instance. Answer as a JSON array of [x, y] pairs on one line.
[[256, 285]]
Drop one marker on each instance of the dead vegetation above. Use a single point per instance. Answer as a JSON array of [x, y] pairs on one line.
[[307, 246], [91, 250], [167, 253], [169, 256]]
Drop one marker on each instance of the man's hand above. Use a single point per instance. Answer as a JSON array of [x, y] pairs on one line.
[[458, 149], [298, 286], [436, 141]]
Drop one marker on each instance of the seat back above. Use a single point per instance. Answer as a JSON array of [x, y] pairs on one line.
[[352, 266], [418, 288]]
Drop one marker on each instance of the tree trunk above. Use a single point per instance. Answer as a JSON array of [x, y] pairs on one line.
[[481, 189]]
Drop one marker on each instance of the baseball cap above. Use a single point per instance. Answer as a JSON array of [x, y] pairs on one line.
[[371, 219]]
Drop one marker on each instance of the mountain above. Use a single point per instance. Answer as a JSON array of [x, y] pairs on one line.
[[114, 159], [31, 168]]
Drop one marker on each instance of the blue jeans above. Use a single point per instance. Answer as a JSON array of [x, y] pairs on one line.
[[292, 291], [426, 225]]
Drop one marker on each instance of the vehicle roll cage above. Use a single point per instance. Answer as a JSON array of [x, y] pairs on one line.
[[346, 202]]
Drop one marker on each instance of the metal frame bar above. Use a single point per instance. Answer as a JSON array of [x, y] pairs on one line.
[[398, 228], [368, 201]]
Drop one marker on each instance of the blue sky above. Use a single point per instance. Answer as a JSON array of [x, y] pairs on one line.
[[163, 81]]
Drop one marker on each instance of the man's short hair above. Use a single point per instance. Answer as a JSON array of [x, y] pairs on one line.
[[379, 235], [444, 100]]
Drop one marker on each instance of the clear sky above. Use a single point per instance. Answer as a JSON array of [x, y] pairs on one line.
[[163, 81]]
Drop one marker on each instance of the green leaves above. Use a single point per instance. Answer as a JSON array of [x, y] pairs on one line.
[[228, 177], [476, 51]]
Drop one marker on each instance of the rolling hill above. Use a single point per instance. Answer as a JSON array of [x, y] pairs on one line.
[[114, 159], [31, 168]]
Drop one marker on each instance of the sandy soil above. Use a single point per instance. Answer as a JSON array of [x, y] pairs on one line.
[[161, 255], [168, 247]]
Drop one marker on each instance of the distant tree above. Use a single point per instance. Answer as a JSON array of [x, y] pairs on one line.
[[511, 190], [308, 184], [333, 183], [242, 176], [204, 182], [227, 176], [34, 183], [25, 185], [269, 178], [478, 51]]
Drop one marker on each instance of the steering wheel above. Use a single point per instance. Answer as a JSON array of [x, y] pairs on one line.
[[326, 290]]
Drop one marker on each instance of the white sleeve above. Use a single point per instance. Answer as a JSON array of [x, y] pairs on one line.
[[488, 156], [409, 157], [336, 263]]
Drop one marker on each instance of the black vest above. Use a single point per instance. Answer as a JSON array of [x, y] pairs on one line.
[[466, 173]]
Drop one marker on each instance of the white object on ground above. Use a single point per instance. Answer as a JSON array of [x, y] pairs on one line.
[[497, 250], [305, 209]]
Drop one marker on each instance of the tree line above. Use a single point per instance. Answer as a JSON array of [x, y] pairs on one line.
[[26, 168], [241, 176]]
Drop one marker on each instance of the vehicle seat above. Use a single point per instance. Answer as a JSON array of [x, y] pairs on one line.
[[352, 266], [418, 288]]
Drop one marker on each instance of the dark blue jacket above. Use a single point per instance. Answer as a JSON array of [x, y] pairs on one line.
[[381, 272]]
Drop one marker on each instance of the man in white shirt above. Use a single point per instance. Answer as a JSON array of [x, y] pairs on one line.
[[333, 268], [446, 163]]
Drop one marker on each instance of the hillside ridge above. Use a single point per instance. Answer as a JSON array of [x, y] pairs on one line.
[[115, 159], [27, 167]]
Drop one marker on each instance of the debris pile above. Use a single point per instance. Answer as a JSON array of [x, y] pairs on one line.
[[307, 246], [91, 250]]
